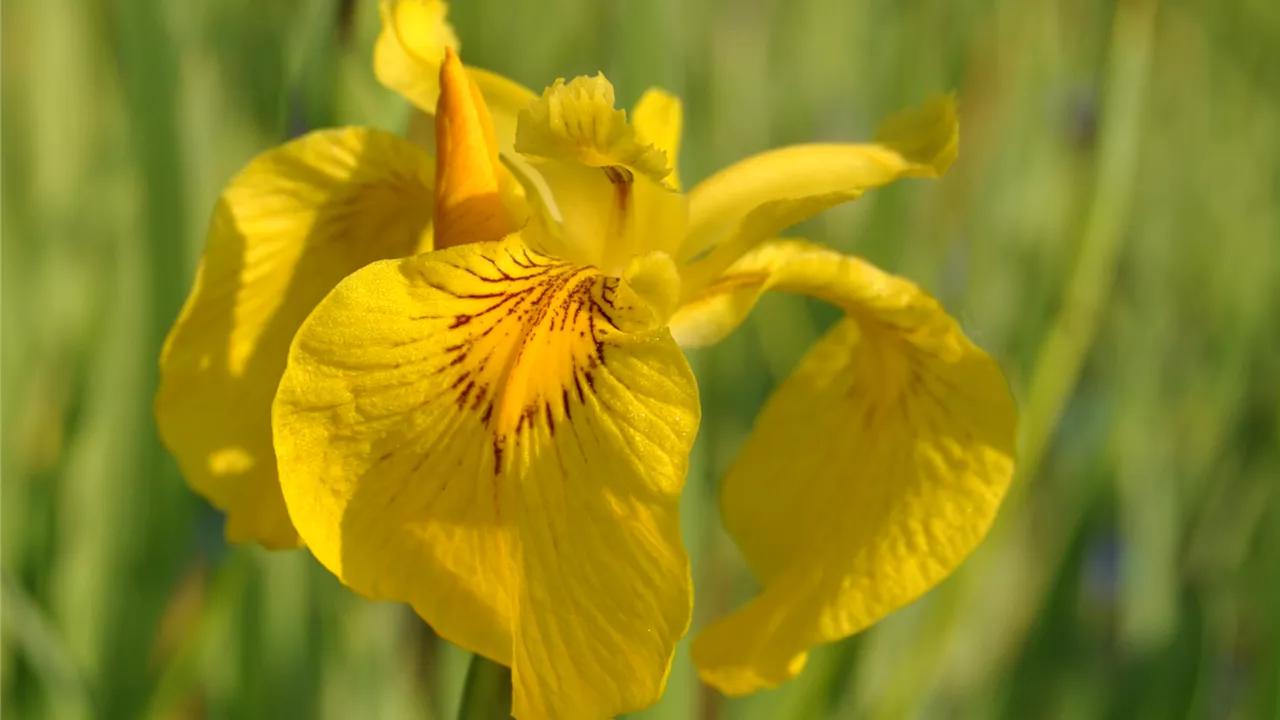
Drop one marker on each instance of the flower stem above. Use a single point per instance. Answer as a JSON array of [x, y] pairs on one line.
[[487, 692]]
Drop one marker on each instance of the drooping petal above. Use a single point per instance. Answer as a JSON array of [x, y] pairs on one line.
[[291, 225], [658, 118], [469, 205], [759, 197], [872, 472], [410, 49], [605, 182], [500, 440]]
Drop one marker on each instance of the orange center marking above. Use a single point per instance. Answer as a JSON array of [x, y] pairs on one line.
[[532, 345]]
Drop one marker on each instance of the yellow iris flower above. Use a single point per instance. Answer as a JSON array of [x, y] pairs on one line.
[[461, 382]]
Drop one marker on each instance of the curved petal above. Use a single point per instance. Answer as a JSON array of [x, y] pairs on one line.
[[291, 225], [873, 471], [500, 440], [759, 197], [577, 121], [410, 49], [658, 118], [505, 99], [608, 201], [407, 58]]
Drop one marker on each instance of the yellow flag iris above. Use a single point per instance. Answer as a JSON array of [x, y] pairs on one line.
[[460, 380]]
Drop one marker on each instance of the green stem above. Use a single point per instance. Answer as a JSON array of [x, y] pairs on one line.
[[487, 692]]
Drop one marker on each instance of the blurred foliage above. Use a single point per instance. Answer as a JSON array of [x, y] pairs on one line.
[[1111, 233]]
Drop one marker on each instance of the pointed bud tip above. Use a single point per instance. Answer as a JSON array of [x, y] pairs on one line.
[[468, 200]]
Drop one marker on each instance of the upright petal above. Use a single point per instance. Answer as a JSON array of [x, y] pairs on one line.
[[759, 197], [659, 118], [407, 58], [410, 49], [606, 182], [500, 440], [872, 472], [577, 121], [291, 225], [505, 98]]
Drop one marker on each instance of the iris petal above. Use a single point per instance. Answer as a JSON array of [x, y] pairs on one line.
[[410, 49], [658, 118], [407, 58], [500, 439], [755, 199], [292, 224], [577, 121], [872, 472], [607, 197]]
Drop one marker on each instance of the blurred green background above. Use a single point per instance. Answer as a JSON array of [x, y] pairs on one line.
[[1111, 233]]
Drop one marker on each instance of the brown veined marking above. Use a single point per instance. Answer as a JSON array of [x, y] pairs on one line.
[[534, 347]]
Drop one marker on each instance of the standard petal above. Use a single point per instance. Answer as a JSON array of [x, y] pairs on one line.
[[410, 49], [607, 199], [500, 440], [872, 472], [505, 99], [658, 118], [759, 197], [407, 59], [577, 121], [291, 225]]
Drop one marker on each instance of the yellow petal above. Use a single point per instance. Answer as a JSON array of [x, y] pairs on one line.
[[577, 121], [606, 199], [409, 58], [658, 118], [505, 99], [410, 49], [759, 197], [872, 472], [468, 196], [291, 225], [656, 279], [500, 440], [603, 217]]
